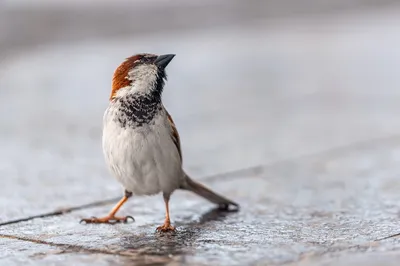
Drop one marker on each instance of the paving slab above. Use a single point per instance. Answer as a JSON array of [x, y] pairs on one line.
[[373, 259], [12, 248], [338, 201], [15, 252]]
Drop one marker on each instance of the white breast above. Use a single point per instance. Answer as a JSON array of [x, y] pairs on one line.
[[145, 159]]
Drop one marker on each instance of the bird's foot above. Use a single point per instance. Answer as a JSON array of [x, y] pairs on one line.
[[109, 219], [166, 227]]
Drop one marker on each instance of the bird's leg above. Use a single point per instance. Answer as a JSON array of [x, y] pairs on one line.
[[166, 227], [111, 218]]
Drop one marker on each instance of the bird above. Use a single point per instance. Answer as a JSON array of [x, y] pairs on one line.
[[140, 140]]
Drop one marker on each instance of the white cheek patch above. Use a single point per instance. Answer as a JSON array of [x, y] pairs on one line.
[[143, 77]]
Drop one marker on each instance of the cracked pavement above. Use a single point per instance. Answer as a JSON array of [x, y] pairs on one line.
[[290, 111]]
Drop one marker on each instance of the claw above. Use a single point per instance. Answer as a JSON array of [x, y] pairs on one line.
[[129, 217]]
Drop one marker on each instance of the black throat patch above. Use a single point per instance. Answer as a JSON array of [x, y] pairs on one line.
[[136, 110]]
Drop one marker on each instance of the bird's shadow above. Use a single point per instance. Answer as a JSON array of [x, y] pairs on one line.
[[174, 243]]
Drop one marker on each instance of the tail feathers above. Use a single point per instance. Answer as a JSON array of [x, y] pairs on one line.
[[208, 194]]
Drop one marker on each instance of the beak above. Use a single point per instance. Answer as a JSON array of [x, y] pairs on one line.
[[163, 60]]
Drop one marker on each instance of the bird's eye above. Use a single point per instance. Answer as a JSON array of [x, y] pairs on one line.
[[143, 58], [148, 59]]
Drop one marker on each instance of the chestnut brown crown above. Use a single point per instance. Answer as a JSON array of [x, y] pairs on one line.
[[121, 74]]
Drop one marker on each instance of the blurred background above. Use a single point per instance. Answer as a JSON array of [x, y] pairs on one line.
[[254, 82]]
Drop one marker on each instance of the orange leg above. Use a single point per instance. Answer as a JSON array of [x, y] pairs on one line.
[[166, 227], [111, 218]]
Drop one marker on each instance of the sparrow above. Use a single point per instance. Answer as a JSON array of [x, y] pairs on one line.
[[141, 144]]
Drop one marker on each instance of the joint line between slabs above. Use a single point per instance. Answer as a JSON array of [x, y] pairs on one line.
[[62, 211], [68, 247]]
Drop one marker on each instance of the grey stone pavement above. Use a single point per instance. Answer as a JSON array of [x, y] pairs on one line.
[[290, 109]]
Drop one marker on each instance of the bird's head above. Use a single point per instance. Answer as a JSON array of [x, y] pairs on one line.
[[144, 73]]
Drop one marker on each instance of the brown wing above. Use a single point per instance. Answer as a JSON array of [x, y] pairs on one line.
[[174, 134]]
